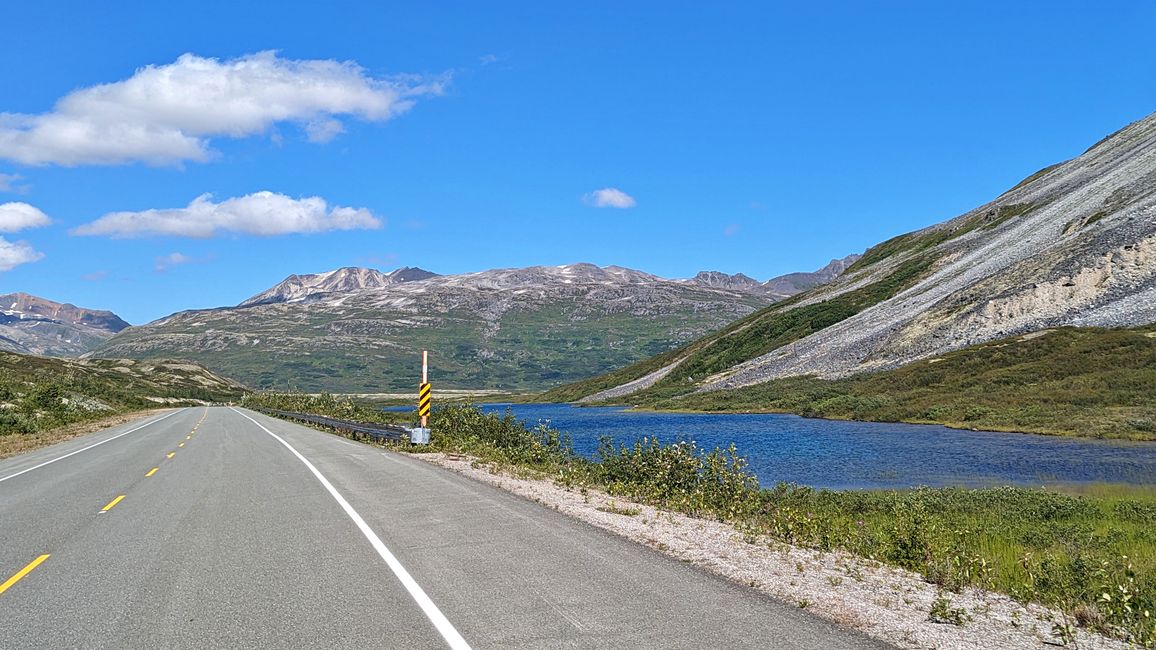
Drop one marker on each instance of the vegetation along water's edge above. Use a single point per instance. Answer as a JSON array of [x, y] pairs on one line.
[[1087, 382], [1091, 555]]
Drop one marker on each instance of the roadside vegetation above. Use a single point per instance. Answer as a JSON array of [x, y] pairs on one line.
[[1091, 555], [341, 407], [39, 394]]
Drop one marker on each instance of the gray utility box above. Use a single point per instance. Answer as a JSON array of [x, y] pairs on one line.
[[419, 436]]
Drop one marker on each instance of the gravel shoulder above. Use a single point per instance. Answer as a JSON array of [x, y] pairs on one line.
[[886, 603]]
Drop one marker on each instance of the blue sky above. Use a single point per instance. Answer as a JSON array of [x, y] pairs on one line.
[[757, 137]]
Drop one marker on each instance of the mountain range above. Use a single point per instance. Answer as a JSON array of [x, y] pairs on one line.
[[1072, 245], [361, 330], [32, 325]]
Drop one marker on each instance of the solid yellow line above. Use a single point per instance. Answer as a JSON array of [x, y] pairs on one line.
[[23, 572], [172, 453], [151, 472], [112, 503]]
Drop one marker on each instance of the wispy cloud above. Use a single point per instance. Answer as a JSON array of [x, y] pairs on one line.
[[261, 213], [95, 276], [609, 197], [168, 114], [16, 216], [166, 262], [10, 183], [732, 229]]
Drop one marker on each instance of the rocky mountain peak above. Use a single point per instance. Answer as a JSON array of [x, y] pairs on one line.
[[737, 281], [34, 325], [25, 306], [296, 288], [836, 267], [794, 283]]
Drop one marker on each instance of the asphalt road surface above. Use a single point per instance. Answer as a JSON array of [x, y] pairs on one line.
[[223, 528]]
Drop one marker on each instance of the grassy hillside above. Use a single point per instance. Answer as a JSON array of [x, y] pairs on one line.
[[38, 393], [359, 350], [1075, 381]]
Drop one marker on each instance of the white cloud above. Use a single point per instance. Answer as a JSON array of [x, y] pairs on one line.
[[172, 259], [169, 113], [17, 216], [13, 254], [609, 197], [261, 213]]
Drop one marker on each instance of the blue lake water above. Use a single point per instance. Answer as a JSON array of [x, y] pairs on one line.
[[841, 455]]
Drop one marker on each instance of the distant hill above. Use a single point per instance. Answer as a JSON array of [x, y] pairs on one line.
[[361, 330], [1072, 245], [32, 325]]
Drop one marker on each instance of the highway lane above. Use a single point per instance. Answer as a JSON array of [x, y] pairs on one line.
[[236, 542]]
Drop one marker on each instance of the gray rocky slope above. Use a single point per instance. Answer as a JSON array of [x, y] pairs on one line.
[[1074, 244]]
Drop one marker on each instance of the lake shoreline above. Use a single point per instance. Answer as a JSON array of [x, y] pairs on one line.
[[949, 424], [834, 453]]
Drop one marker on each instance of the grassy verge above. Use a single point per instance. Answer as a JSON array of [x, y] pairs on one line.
[[334, 406], [39, 394], [1072, 381], [13, 445], [1090, 554]]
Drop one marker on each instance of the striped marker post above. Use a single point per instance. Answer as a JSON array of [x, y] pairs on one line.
[[424, 392]]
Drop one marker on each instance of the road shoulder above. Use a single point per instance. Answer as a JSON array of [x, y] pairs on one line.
[[882, 602]]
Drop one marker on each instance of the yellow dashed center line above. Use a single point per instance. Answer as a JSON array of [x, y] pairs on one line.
[[112, 504], [181, 445], [23, 572], [172, 453], [151, 472], [189, 437]]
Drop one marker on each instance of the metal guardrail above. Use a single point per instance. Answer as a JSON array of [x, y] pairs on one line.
[[386, 432]]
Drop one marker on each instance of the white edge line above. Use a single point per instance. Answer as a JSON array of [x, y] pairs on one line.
[[427, 605], [49, 462]]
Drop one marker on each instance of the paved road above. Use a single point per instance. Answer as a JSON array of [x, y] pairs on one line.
[[257, 533]]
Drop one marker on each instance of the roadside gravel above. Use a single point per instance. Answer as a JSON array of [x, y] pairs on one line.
[[886, 603]]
